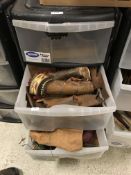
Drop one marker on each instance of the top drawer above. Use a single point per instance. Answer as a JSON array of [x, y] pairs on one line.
[[76, 42]]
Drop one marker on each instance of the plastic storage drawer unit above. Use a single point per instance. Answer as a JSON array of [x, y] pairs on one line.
[[62, 34], [88, 153], [121, 92], [9, 58], [63, 115], [117, 137]]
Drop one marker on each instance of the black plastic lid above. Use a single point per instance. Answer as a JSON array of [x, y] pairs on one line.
[[31, 10], [5, 3]]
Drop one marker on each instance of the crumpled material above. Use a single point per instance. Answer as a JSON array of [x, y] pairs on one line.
[[80, 86], [67, 139]]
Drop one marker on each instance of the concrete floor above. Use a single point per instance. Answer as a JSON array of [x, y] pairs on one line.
[[114, 162]]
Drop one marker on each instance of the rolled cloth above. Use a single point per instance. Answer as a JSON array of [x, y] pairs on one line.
[[79, 72], [66, 82], [59, 87], [67, 139]]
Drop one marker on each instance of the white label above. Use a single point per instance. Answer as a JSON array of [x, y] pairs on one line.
[[57, 13], [35, 109], [38, 57]]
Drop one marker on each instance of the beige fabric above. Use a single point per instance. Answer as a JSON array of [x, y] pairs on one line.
[[59, 87], [68, 139]]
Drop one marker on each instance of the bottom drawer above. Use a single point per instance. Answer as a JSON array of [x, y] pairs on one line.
[[116, 137], [89, 153], [63, 116]]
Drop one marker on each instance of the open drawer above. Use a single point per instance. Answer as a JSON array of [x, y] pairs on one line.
[[8, 97], [121, 92], [66, 116], [89, 153], [6, 77], [117, 137]]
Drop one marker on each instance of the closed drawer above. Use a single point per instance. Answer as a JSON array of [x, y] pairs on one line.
[[6, 76], [117, 137], [54, 43], [121, 92], [89, 153], [66, 116], [8, 97], [49, 123], [8, 114]]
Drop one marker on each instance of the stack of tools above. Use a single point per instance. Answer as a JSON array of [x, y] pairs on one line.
[[74, 140], [80, 86]]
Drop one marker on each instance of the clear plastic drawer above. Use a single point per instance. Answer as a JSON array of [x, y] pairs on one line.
[[88, 153], [85, 42], [67, 116], [117, 137]]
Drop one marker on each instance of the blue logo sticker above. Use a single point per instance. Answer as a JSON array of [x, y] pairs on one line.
[[32, 54]]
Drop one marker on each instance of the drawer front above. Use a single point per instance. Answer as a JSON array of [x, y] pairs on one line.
[[117, 138], [41, 123], [55, 43], [6, 76], [8, 97], [121, 92], [123, 100], [8, 114], [120, 141], [89, 153]]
